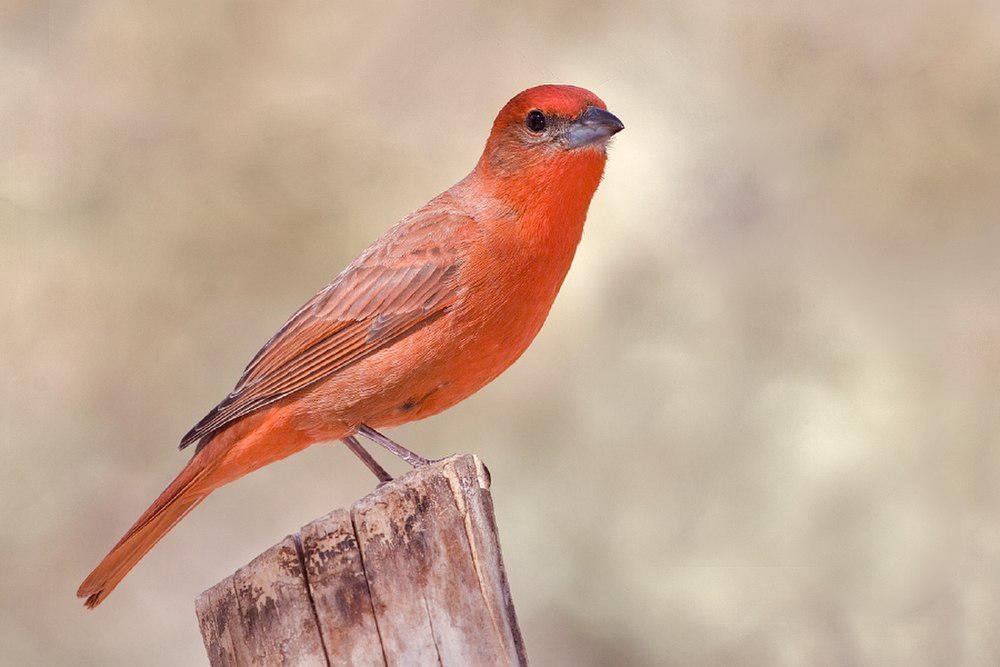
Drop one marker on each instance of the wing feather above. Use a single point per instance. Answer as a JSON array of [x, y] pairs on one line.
[[391, 290]]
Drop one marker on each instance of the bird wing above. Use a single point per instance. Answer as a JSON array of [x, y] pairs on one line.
[[401, 283]]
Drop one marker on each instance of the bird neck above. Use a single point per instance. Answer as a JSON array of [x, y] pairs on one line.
[[549, 197]]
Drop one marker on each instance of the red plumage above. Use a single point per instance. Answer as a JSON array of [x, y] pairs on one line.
[[432, 311]]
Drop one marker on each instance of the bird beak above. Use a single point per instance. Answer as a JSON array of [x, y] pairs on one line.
[[593, 125]]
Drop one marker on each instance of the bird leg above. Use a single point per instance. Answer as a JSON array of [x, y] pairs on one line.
[[366, 458], [402, 452]]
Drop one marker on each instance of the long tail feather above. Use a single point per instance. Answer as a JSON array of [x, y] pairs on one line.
[[253, 442], [182, 496]]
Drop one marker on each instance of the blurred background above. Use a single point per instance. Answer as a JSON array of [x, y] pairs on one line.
[[760, 427]]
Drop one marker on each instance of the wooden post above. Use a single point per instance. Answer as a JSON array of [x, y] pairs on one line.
[[411, 575]]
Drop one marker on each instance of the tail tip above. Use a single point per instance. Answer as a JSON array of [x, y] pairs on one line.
[[92, 597]]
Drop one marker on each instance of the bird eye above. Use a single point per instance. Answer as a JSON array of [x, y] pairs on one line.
[[535, 120]]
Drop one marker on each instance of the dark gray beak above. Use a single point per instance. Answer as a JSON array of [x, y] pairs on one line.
[[594, 125]]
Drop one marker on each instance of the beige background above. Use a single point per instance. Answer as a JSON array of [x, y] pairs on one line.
[[760, 427]]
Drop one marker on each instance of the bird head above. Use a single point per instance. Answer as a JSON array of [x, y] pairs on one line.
[[550, 130]]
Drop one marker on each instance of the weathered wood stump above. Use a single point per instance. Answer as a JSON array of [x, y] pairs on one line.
[[411, 575]]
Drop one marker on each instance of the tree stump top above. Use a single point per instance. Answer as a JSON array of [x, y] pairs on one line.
[[411, 574]]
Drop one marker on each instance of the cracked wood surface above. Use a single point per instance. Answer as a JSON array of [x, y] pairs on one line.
[[412, 574]]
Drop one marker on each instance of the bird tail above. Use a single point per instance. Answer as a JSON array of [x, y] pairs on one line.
[[179, 498], [255, 441]]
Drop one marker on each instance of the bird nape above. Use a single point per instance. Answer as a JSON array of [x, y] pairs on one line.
[[437, 307]]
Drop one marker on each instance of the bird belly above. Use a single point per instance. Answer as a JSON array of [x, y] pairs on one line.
[[431, 369], [509, 286]]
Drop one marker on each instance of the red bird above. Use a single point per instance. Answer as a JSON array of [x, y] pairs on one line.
[[431, 312]]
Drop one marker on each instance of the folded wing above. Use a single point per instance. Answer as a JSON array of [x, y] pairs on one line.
[[403, 282]]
